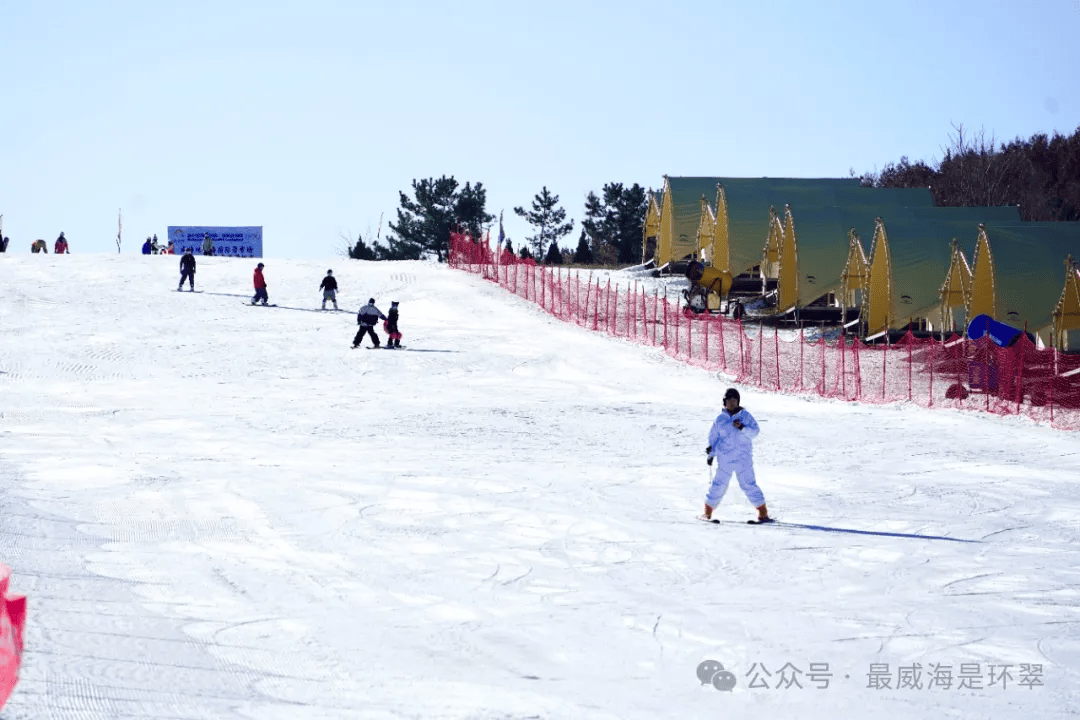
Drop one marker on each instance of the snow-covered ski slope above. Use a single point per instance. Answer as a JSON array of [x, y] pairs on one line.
[[222, 512]]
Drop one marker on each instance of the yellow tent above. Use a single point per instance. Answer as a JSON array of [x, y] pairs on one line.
[[706, 232], [856, 275], [983, 297], [770, 254], [878, 301], [1067, 312], [667, 218], [651, 229], [787, 288], [956, 290]]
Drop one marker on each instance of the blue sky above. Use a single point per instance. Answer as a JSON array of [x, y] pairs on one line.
[[309, 118]]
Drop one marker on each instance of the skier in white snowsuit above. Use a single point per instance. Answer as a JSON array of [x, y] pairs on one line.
[[731, 446]]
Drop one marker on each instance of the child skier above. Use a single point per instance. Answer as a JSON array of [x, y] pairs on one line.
[[730, 445], [329, 289], [391, 328], [260, 285], [187, 270]]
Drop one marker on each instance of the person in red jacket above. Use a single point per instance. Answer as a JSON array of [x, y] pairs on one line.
[[61, 246], [260, 286]]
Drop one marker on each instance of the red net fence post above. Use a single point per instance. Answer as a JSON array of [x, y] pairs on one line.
[[802, 347], [543, 288], [689, 337], [609, 325], [677, 317], [723, 349], [822, 390], [12, 629], [601, 299], [843, 366], [930, 374], [665, 326], [588, 297], [776, 352], [705, 341]]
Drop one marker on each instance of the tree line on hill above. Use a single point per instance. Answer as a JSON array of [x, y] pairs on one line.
[[611, 231], [1040, 174]]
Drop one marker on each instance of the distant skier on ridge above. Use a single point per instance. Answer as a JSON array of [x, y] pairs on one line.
[[329, 288]]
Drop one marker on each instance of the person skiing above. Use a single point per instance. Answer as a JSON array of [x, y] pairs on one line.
[[147, 248], [171, 250], [208, 246], [329, 288], [61, 246], [730, 444], [391, 327], [39, 246], [260, 285], [366, 319], [4, 243], [187, 270]]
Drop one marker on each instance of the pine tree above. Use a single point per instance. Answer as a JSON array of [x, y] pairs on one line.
[[583, 255], [554, 255], [617, 219], [548, 218], [425, 221], [361, 251], [524, 254]]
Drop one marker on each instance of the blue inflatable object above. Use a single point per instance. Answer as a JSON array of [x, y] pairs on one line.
[[1000, 333]]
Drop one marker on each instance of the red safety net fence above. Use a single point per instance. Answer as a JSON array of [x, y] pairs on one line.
[[978, 375], [12, 625]]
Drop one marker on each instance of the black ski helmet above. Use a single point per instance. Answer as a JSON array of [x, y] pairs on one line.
[[731, 393]]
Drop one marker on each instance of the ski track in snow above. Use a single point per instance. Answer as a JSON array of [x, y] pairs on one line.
[[217, 513]]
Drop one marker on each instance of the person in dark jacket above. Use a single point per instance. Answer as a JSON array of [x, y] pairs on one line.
[[329, 289], [391, 327], [147, 247], [366, 319], [39, 246], [260, 285], [61, 246], [187, 270], [4, 243]]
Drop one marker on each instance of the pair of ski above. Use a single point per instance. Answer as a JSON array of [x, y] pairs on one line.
[[766, 521]]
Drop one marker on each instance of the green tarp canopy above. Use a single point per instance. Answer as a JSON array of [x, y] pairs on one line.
[[823, 209], [920, 244], [1029, 264]]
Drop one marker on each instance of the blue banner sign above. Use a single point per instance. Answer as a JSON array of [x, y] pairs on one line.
[[227, 241]]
